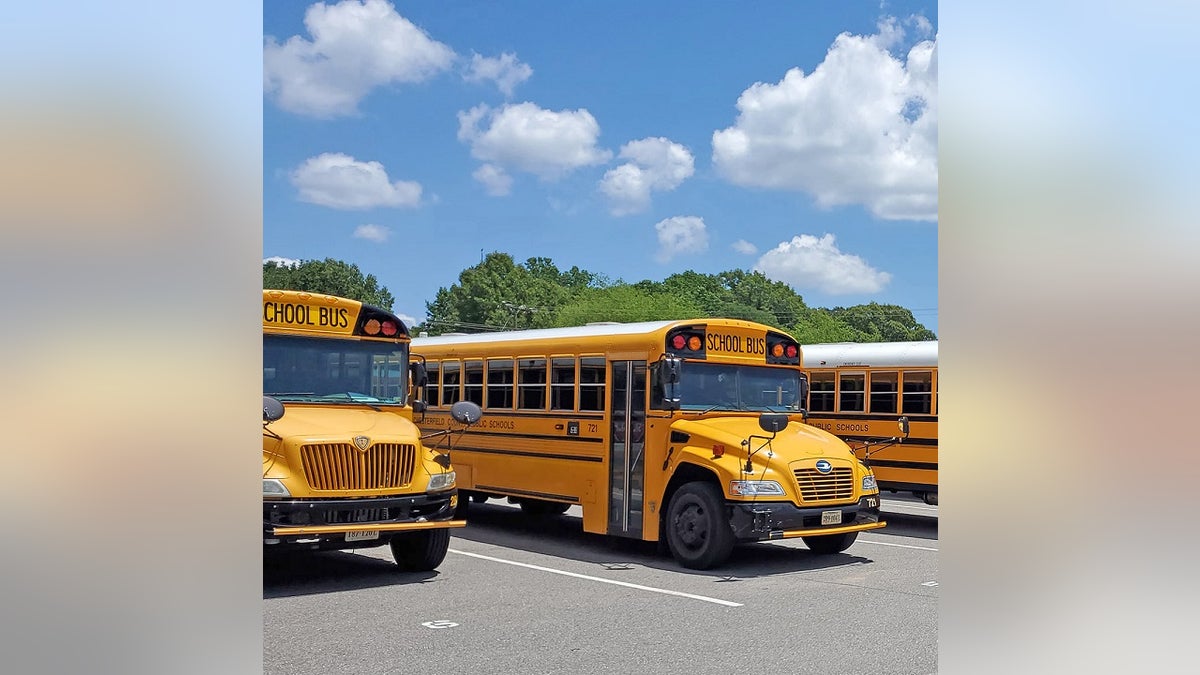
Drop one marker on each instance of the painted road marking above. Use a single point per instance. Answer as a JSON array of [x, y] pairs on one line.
[[601, 580], [439, 624], [888, 543]]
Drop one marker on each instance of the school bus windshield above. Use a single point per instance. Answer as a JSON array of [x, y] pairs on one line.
[[733, 387], [324, 370]]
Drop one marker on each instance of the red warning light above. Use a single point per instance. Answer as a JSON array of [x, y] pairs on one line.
[[678, 342], [718, 450], [389, 328], [792, 351]]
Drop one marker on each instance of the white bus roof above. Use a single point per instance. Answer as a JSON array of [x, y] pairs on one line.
[[870, 354], [641, 328]]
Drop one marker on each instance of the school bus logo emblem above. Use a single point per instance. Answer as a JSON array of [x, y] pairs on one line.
[[361, 442]]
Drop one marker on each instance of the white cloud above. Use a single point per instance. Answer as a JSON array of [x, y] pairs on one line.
[[342, 182], [408, 319], [860, 129], [808, 262], [377, 233], [494, 180], [654, 164], [744, 247], [281, 262], [355, 47], [545, 143], [679, 235], [505, 70]]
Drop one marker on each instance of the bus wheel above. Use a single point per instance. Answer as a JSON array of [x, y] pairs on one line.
[[420, 551], [830, 543], [698, 531]]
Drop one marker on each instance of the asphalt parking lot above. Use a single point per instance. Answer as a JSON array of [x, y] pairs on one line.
[[522, 596]]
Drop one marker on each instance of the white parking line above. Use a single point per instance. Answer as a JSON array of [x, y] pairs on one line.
[[888, 543], [606, 581]]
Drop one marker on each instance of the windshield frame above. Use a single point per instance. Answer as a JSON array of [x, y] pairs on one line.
[[705, 386], [308, 369]]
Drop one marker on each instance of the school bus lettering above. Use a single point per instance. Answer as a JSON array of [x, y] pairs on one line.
[[292, 314], [723, 343], [853, 427]]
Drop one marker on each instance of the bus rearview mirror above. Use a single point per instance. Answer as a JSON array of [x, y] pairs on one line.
[[272, 409]]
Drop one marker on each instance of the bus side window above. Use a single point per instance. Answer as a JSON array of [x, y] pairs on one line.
[[883, 392], [918, 393], [531, 384], [852, 392], [473, 382], [562, 384], [451, 377], [591, 383], [821, 392], [433, 384], [500, 383]]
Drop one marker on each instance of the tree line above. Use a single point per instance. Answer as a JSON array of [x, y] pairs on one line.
[[501, 294]]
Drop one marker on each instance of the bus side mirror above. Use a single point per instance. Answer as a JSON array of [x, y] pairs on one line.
[[419, 377], [803, 392], [773, 422], [466, 412], [903, 422], [272, 409], [419, 406], [669, 369]]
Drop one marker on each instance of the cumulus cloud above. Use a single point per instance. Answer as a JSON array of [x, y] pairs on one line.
[[495, 181], [524, 137], [679, 235], [281, 262], [808, 262], [342, 182], [744, 247], [654, 164], [355, 47], [376, 233], [860, 129], [505, 70]]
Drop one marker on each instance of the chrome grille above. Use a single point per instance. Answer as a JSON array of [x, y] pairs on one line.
[[341, 466], [815, 486]]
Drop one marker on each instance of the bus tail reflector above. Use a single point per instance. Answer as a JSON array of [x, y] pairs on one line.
[[718, 450]]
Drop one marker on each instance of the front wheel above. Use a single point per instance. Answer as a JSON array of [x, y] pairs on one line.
[[827, 544], [420, 551], [698, 530]]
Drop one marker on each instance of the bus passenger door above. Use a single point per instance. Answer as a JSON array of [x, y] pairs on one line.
[[626, 457]]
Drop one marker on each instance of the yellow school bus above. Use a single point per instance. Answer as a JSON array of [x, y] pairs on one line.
[[687, 432], [343, 464], [859, 390]]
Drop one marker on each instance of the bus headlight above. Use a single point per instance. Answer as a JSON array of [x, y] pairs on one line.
[[749, 488], [441, 481], [274, 488], [869, 484]]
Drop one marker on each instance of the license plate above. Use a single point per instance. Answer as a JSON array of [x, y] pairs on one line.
[[374, 534], [831, 517]]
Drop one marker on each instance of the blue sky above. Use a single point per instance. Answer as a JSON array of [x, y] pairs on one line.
[[633, 140]]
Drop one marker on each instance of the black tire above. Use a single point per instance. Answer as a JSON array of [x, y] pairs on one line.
[[420, 551], [461, 509], [698, 530], [827, 544]]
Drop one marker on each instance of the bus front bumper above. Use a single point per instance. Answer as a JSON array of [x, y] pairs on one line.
[[759, 521], [354, 523]]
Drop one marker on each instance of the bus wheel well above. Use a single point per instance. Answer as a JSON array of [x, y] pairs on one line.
[[684, 473]]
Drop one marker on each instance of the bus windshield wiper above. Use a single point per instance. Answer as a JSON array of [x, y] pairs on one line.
[[352, 398]]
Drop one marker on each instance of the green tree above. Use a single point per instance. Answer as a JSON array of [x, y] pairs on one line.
[[883, 323], [625, 304], [498, 294], [329, 276]]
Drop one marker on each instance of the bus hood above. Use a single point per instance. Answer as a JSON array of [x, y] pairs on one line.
[[329, 423], [732, 430]]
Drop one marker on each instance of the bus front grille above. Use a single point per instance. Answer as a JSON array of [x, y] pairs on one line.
[[341, 466], [837, 485]]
